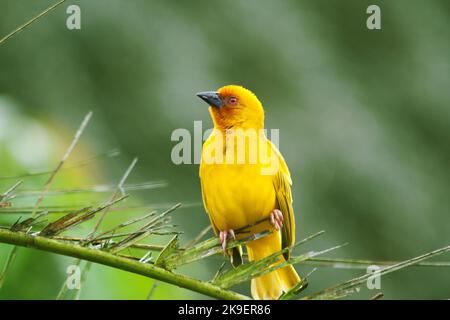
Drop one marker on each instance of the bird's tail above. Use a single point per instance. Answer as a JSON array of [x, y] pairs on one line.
[[270, 286]]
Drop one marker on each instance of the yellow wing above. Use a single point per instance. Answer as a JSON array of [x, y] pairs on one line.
[[282, 183]]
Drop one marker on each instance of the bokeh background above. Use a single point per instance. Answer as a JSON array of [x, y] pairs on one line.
[[364, 119]]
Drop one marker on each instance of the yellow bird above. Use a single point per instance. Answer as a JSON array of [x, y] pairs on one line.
[[242, 186]]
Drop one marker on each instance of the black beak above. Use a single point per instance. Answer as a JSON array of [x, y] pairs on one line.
[[211, 97]]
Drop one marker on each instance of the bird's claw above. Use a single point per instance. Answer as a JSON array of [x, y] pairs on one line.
[[276, 219], [224, 236]]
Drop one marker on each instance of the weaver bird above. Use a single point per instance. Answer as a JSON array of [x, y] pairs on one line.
[[239, 190]]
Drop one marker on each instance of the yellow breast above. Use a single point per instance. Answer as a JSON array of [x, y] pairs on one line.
[[236, 195]]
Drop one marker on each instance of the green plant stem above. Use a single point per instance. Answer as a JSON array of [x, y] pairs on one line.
[[105, 258]]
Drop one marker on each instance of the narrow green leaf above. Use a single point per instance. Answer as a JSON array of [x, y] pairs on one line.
[[362, 264], [171, 247], [9, 260], [345, 288], [63, 223]]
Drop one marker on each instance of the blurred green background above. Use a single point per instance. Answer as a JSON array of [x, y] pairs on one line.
[[364, 120]]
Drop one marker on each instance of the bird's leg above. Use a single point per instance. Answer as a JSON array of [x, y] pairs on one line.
[[224, 236], [276, 219]]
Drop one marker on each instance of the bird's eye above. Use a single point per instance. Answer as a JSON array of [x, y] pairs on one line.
[[232, 101]]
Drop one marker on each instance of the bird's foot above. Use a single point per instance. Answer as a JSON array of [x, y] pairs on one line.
[[224, 236], [276, 219]]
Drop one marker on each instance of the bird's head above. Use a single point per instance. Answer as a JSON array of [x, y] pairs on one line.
[[234, 107]]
